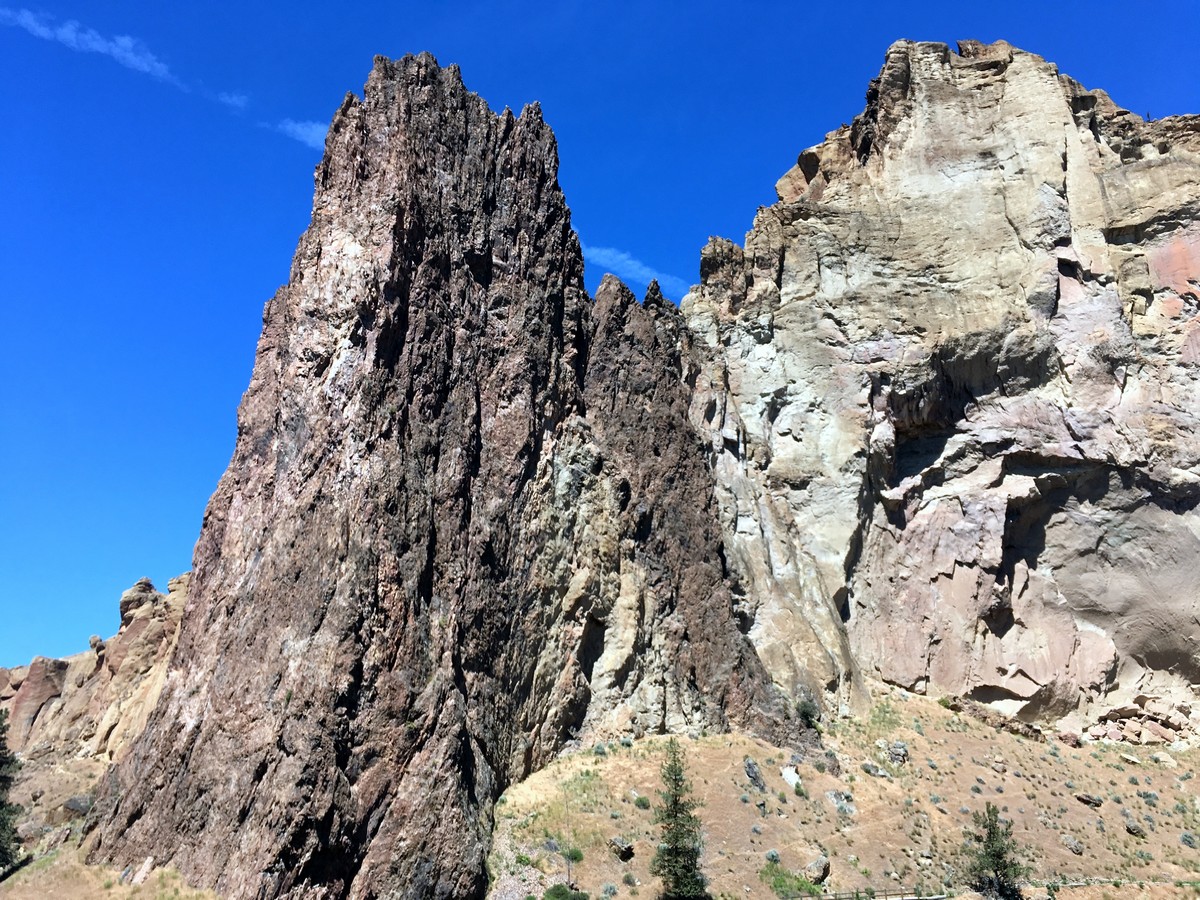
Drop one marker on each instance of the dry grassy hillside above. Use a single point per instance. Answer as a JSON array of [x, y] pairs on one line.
[[61, 875], [902, 826]]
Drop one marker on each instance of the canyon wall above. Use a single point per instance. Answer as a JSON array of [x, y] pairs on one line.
[[934, 424], [950, 387]]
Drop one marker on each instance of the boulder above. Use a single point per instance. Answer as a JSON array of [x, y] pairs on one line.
[[754, 774], [817, 871], [141, 594]]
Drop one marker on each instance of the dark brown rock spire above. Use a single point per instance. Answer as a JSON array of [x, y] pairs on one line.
[[466, 520]]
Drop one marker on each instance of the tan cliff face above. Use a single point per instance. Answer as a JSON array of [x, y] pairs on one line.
[[92, 704], [70, 718], [934, 424], [951, 391]]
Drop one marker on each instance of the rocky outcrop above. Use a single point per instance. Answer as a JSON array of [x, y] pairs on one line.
[[69, 718], [951, 386], [935, 423], [460, 529], [92, 704]]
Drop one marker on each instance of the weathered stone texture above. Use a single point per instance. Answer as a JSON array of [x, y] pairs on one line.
[[952, 392], [90, 705], [72, 717], [459, 530], [936, 423]]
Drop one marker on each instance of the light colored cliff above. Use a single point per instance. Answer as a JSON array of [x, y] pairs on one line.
[[950, 388]]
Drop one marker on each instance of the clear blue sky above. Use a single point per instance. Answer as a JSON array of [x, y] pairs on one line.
[[157, 167]]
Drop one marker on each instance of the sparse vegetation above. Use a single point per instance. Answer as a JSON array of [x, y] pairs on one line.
[[879, 833], [786, 883]]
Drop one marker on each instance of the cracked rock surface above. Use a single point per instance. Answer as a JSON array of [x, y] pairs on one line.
[[951, 392], [935, 423], [466, 522]]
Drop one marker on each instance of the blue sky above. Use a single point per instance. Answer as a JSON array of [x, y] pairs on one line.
[[157, 165]]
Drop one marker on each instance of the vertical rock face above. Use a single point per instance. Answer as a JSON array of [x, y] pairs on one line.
[[935, 423], [951, 392], [459, 529]]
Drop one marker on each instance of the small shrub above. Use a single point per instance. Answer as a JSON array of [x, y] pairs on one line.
[[773, 856], [574, 854], [642, 802], [808, 712], [785, 883], [628, 880], [562, 892], [600, 750], [523, 860]]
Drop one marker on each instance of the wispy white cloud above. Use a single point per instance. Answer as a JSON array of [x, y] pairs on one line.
[[233, 99], [310, 133], [623, 265], [128, 51], [131, 53]]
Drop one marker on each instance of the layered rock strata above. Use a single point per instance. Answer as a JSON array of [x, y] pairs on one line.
[[466, 521], [951, 388]]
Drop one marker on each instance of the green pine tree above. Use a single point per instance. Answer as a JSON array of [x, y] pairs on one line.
[[995, 857], [677, 861], [10, 848]]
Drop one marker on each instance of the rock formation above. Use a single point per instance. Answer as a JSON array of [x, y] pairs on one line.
[[69, 718], [466, 521], [951, 387], [934, 424]]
